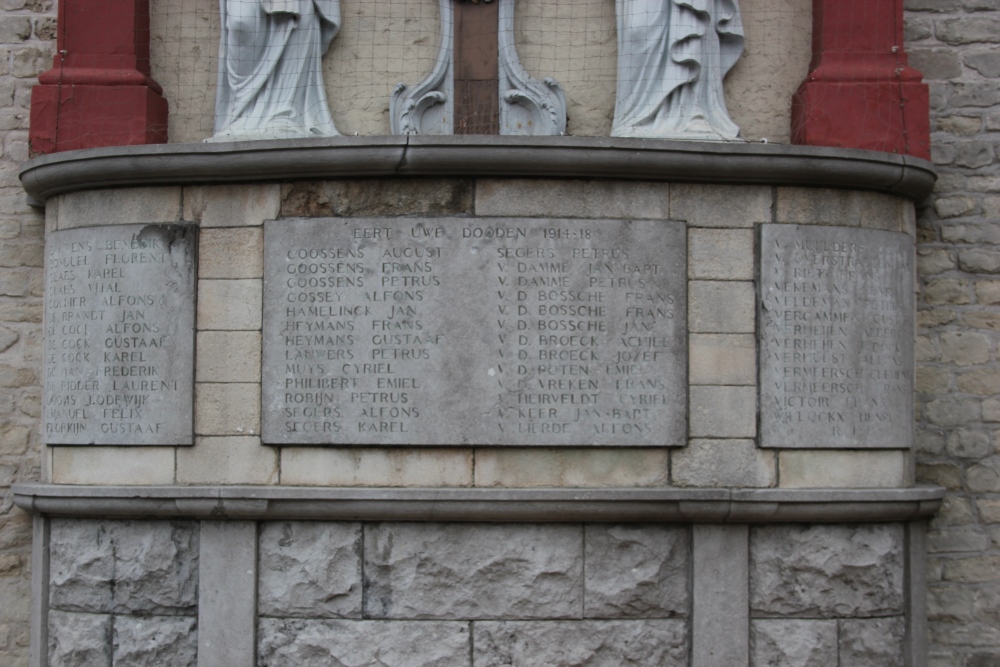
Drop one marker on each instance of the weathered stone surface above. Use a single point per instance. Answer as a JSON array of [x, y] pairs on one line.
[[634, 571], [81, 565], [156, 566], [793, 643], [721, 306], [715, 205], [112, 465], [124, 566], [563, 467], [470, 571], [852, 331], [572, 199], [365, 197], [722, 463], [232, 205], [79, 640], [119, 206], [594, 643], [310, 569], [720, 254], [109, 336], [155, 641], [373, 354], [324, 643], [872, 642], [826, 570], [231, 253], [377, 466]]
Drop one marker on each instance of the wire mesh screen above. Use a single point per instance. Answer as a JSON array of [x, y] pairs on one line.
[[379, 45]]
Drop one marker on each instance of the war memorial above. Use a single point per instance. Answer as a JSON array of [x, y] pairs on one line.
[[523, 363]]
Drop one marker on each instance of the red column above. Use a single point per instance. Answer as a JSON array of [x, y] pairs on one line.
[[860, 92], [98, 92]]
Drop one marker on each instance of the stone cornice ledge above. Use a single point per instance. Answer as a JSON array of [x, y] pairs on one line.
[[483, 156], [488, 505]]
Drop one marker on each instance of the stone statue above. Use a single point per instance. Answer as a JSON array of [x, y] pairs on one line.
[[270, 69], [672, 57]]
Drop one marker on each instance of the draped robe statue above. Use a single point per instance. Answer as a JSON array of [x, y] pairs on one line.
[[672, 57], [270, 69]]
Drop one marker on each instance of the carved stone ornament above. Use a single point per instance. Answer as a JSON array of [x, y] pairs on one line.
[[527, 106], [428, 107], [672, 58]]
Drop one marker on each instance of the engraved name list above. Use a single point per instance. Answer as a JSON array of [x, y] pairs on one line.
[[451, 331]]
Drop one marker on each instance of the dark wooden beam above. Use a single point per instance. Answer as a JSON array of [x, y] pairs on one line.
[[477, 101]]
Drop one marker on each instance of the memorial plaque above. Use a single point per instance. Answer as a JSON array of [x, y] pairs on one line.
[[836, 338], [458, 331], [119, 335]]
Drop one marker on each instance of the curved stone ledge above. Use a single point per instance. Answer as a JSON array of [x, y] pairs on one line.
[[484, 156], [484, 505]]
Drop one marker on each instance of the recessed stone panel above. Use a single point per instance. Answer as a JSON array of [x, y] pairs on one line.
[[119, 335], [432, 331], [836, 337]]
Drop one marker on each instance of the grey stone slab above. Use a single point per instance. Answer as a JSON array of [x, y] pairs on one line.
[[836, 337], [826, 571], [119, 335], [638, 571], [508, 331], [321, 643], [471, 571], [873, 642], [147, 567], [155, 641], [79, 640], [719, 591], [226, 593], [793, 643], [660, 642], [309, 569]]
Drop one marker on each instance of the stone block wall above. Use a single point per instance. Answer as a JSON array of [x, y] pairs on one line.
[[123, 592], [127, 592], [27, 40], [956, 44]]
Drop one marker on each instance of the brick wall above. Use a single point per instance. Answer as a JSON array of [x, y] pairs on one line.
[[27, 38], [954, 43]]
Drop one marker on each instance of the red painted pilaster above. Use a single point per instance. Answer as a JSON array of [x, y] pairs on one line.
[[98, 92], [860, 92]]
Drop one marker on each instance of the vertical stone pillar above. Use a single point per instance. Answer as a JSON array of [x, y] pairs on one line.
[[720, 634], [860, 92], [99, 92], [40, 592], [227, 594]]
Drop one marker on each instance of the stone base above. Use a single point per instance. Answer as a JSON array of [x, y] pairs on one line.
[[427, 593]]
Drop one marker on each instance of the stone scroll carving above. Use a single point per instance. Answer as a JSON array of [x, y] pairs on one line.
[[270, 69], [527, 106], [672, 58], [427, 108]]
